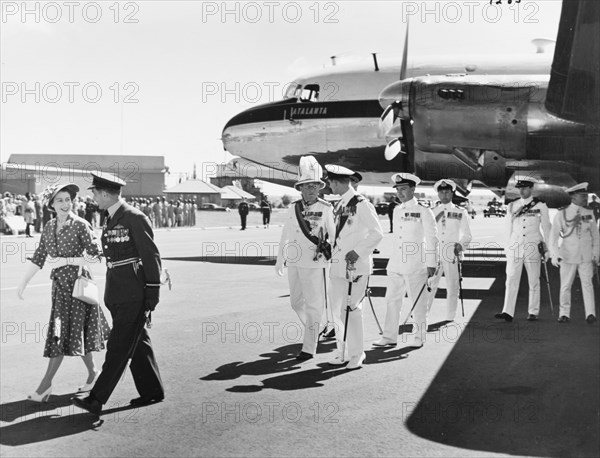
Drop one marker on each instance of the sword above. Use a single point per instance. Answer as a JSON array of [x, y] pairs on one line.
[[350, 271], [414, 305], [460, 288], [542, 250], [324, 331], [368, 294]]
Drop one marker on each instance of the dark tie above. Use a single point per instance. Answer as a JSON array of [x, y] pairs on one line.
[[107, 217]]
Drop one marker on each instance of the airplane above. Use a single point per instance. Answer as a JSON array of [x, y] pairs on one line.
[[334, 115], [505, 127]]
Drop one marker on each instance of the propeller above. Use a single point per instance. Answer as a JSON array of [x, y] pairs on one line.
[[403, 133]]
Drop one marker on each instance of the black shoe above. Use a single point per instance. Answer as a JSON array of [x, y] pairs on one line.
[[532, 317], [147, 400], [591, 319], [503, 316], [89, 403], [303, 356], [563, 319]]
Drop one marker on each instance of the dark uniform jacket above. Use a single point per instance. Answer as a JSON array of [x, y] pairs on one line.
[[129, 235]]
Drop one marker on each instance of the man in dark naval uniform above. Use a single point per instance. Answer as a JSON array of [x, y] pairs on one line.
[[132, 289]]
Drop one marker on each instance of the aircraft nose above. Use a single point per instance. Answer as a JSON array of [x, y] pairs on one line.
[[396, 92]]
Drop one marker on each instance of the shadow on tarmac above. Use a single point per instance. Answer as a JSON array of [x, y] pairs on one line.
[[51, 420], [522, 388], [244, 260]]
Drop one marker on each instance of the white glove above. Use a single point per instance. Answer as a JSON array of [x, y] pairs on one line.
[[30, 271], [279, 266], [555, 262]]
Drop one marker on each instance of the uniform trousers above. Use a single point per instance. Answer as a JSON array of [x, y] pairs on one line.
[[398, 285], [338, 300], [514, 268], [307, 297], [126, 321], [450, 270], [567, 275]]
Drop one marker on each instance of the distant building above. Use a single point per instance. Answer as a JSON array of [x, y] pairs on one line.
[[197, 190], [145, 175], [227, 175]]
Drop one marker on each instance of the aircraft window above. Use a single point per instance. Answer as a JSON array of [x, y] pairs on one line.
[[310, 93], [292, 91]]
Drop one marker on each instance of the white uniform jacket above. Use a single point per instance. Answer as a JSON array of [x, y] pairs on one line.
[[579, 235], [452, 227], [297, 250], [415, 239], [524, 233], [361, 233]]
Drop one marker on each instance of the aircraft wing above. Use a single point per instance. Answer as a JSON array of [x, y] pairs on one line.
[[574, 87]]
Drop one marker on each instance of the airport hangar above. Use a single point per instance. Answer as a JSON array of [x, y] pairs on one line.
[[145, 175]]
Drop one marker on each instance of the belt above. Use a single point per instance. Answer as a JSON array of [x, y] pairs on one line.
[[124, 262]]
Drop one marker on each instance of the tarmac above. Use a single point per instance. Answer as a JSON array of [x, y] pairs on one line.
[[225, 339]]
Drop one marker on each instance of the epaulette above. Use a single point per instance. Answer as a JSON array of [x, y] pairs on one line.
[[323, 201], [360, 197], [424, 206], [437, 203], [563, 208]]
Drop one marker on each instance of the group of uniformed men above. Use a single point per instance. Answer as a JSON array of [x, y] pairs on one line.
[[327, 246]]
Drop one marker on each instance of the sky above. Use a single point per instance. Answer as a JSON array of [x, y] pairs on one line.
[[163, 78]]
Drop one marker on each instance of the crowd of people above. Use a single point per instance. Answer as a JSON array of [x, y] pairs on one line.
[[160, 211], [328, 254]]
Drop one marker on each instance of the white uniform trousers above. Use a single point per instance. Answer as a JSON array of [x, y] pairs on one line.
[[450, 271], [398, 285], [514, 267], [567, 275], [307, 297], [338, 300]]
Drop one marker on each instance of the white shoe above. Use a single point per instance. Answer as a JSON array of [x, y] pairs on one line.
[[43, 397], [88, 386], [384, 342], [337, 361], [356, 361], [416, 342]]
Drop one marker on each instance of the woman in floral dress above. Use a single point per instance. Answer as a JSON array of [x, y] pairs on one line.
[[75, 328]]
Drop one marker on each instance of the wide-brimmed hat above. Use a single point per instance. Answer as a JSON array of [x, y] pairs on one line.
[[51, 191], [309, 171]]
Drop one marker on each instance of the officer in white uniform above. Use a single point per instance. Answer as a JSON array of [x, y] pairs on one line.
[[304, 249], [358, 232], [574, 248], [413, 260], [454, 234], [524, 218]]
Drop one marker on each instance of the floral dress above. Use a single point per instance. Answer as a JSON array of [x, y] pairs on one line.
[[75, 328]]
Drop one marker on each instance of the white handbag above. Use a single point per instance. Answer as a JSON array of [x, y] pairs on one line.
[[85, 289]]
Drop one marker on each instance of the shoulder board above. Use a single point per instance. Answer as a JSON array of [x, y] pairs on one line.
[[359, 197], [421, 205], [437, 203], [563, 208], [323, 201]]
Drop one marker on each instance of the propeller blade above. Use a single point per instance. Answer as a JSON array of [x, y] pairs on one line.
[[409, 142], [392, 149], [386, 120], [404, 55]]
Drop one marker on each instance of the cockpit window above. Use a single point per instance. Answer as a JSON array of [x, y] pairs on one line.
[[310, 93], [293, 91]]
